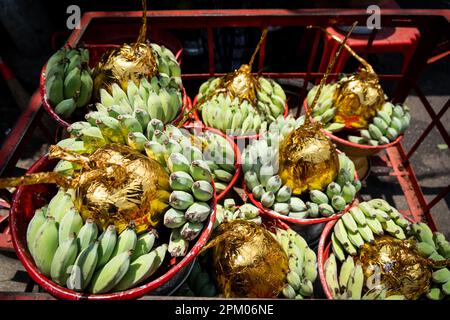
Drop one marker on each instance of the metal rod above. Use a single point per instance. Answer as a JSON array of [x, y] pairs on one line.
[[438, 198]]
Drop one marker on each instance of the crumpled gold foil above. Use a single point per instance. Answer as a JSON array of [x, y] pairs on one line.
[[241, 84], [247, 261], [357, 99], [116, 185], [129, 62], [307, 159], [403, 270]]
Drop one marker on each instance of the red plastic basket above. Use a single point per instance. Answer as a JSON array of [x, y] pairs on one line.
[[249, 137], [237, 156], [29, 198], [354, 148], [95, 52], [275, 215]]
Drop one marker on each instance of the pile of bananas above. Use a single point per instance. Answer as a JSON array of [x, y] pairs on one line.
[[229, 212], [219, 155], [155, 99], [240, 118], [261, 178], [434, 246], [69, 81], [362, 224], [302, 264], [73, 254], [390, 122], [168, 66]]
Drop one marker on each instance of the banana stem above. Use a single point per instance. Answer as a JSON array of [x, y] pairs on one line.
[[143, 30], [331, 65], [258, 46], [56, 152], [36, 178]]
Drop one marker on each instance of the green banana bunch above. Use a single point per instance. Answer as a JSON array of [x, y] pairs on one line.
[[236, 117], [302, 264], [259, 162], [69, 81], [199, 283], [228, 211]]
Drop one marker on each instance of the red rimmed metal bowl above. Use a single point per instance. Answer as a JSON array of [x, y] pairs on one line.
[[95, 52], [237, 155], [323, 253], [28, 198], [249, 137]]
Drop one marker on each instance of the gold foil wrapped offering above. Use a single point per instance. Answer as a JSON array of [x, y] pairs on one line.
[[129, 62], [119, 65], [357, 99], [247, 261], [402, 270], [116, 185], [308, 159], [241, 84]]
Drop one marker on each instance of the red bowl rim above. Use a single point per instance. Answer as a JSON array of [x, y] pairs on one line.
[[51, 111], [303, 221], [352, 144], [64, 293], [237, 156], [323, 253], [250, 137]]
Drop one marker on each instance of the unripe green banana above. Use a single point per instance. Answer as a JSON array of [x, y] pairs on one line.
[[356, 282], [200, 171], [281, 208], [306, 288], [178, 246], [441, 275], [107, 243], [288, 291], [180, 200], [66, 107], [359, 216], [313, 209], [126, 241], [92, 137], [375, 226], [425, 249], [83, 268], [346, 271], [92, 117], [318, 196], [129, 124], [446, 288], [333, 189], [381, 215], [297, 204], [110, 129], [64, 257], [181, 181], [268, 199], [294, 280], [60, 204], [137, 141], [367, 210], [70, 223], [178, 163], [348, 192], [72, 83], [331, 276], [284, 194], [75, 128], [356, 239], [338, 203], [366, 233], [251, 179], [223, 175], [87, 234], [73, 63], [45, 245], [57, 57], [435, 294], [174, 218], [198, 212], [202, 190], [54, 89], [349, 222], [392, 228], [111, 274], [85, 89], [338, 250], [424, 233], [326, 210], [190, 230], [33, 227], [342, 237], [155, 151]]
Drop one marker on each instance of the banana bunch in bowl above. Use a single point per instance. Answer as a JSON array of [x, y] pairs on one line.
[[368, 224], [302, 264], [68, 80], [388, 123], [77, 255], [260, 166], [240, 117]]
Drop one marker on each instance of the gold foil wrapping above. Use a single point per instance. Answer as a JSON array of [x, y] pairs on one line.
[[129, 62], [247, 261], [116, 185], [308, 159], [401, 268], [357, 99], [241, 84]]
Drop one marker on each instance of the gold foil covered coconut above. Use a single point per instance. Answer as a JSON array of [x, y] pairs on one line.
[[402, 270], [308, 159], [116, 185], [357, 99], [129, 62], [247, 261]]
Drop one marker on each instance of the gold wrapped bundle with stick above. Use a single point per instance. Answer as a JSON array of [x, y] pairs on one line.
[[116, 185], [308, 159], [247, 261]]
